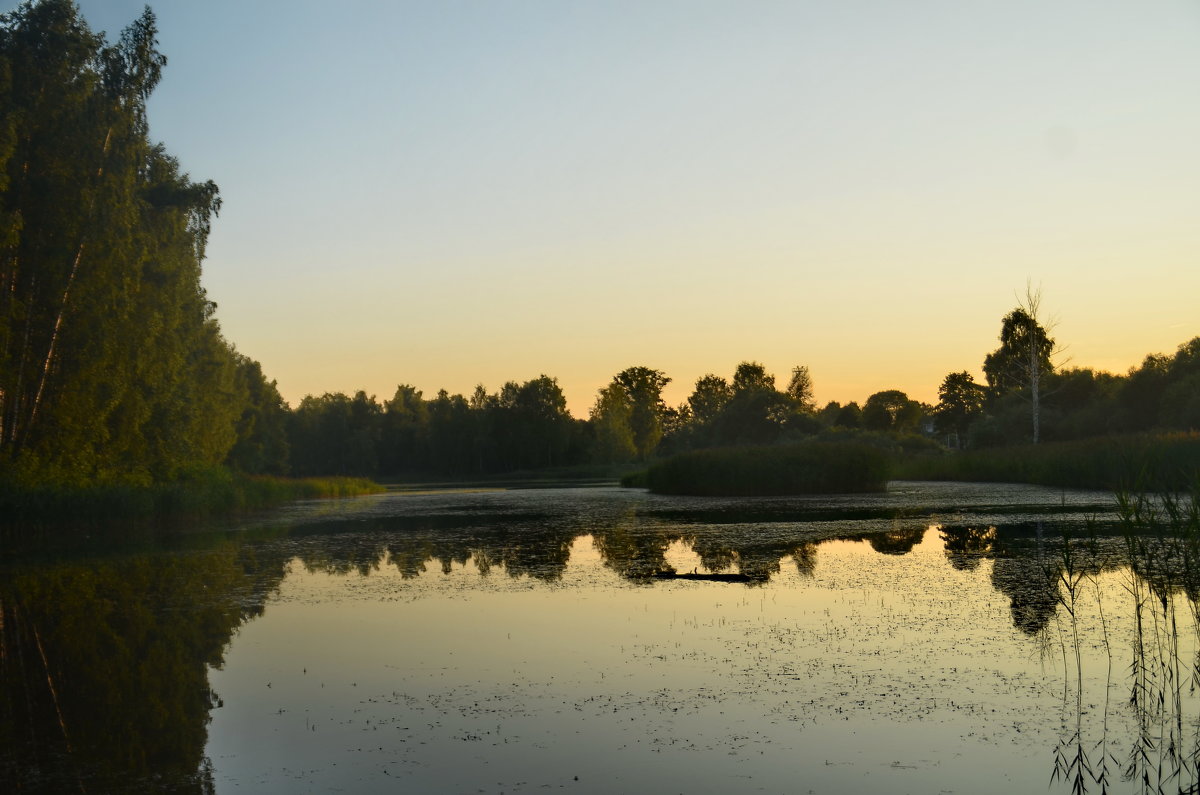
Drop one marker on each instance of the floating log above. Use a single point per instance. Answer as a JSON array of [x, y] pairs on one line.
[[671, 575]]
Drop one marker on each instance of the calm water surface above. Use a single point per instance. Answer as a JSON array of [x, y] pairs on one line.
[[937, 638]]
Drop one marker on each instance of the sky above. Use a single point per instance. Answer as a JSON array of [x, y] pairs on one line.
[[450, 193]]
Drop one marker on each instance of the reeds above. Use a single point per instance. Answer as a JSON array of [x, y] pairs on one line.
[[807, 468], [1159, 462], [1161, 533]]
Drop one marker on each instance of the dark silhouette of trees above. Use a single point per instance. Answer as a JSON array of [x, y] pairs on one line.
[[1009, 367], [1164, 392], [611, 418], [755, 413], [526, 426], [800, 390], [404, 437], [261, 445], [538, 412], [647, 412], [892, 410], [1029, 398], [335, 434], [960, 402], [629, 417], [711, 394], [752, 377], [1024, 357], [850, 416], [523, 426]]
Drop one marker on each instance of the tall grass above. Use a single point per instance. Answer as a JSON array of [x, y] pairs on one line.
[[1149, 462], [1162, 543], [200, 494], [809, 468]]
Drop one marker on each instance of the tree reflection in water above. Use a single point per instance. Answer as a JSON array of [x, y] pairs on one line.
[[104, 667], [966, 545], [805, 558], [1161, 540], [79, 639], [898, 541]]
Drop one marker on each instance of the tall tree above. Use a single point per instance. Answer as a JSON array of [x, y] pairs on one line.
[[544, 422], [335, 434], [891, 410], [756, 412], [711, 394], [112, 366], [644, 387], [750, 376], [960, 402], [405, 432], [1024, 357], [800, 389], [849, 416], [261, 445], [611, 417]]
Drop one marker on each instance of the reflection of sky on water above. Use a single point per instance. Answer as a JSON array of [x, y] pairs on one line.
[[914, 641], [849, 670]]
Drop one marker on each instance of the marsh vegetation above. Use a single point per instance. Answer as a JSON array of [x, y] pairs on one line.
[[809, 468]]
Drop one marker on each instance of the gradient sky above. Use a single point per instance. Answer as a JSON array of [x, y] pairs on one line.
[[446, 193]]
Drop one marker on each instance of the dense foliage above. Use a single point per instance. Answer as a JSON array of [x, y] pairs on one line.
[[523, 426], [1160, 395], [526, 426], [112, 365]]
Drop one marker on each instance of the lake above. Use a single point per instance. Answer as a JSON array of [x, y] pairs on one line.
[[940, 637]]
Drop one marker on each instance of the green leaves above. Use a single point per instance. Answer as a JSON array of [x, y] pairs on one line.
[[111, 366]]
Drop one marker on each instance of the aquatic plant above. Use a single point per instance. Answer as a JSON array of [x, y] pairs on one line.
[[1161, 534]]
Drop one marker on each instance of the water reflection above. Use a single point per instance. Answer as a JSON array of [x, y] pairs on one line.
[[107, 662], [967, 545], [105, 667], [899, 541]]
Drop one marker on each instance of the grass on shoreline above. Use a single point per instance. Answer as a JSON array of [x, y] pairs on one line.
[[200, 495], [1131, 463]]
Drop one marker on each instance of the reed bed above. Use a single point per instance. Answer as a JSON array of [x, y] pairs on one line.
[[808, 468], [1134, 462]]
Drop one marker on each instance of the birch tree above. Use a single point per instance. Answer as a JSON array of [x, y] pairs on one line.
[[1025, 356], [112, 365]]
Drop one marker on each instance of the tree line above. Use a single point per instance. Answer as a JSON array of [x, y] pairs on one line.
[[1027, 397], [113, 367]]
